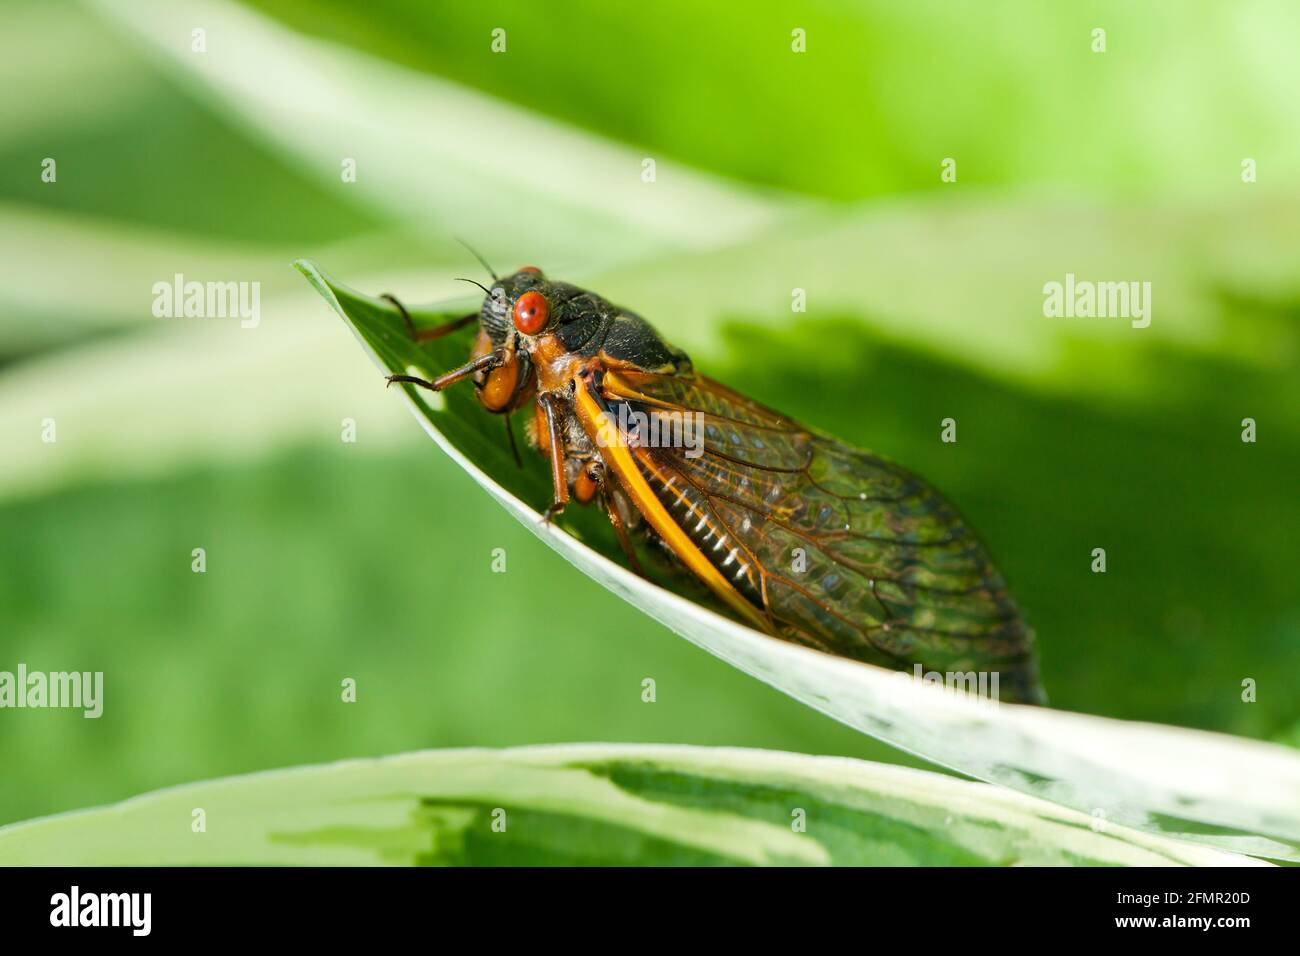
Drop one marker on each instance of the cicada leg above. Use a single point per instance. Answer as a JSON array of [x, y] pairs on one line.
[[555, 447], [484, 363], [590, 481], [438, 331], [620, 526], [510, 436]]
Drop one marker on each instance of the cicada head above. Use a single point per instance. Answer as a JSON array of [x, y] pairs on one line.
[[516, 309], [518, 303]]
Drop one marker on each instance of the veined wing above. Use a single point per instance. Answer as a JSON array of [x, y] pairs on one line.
[[841, 550]]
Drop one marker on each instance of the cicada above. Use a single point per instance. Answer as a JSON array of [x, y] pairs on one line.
[[800, 535]]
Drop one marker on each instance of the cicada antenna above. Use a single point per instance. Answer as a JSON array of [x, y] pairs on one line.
[[483, 262], [485, 289]]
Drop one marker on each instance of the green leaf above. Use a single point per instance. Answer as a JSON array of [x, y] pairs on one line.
[[429, 153], [590, 805], [1157, 778], [884, 91]]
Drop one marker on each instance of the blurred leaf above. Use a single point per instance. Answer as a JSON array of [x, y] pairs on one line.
[[1164, 779], [960, 272], [963, 278], [1012, 91], [371, 560], [434, 156], [122, 262], [590, 805], [131, 145], [115, 402]]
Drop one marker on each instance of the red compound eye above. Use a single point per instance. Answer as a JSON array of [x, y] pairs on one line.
[[529, 269], [531, 311]]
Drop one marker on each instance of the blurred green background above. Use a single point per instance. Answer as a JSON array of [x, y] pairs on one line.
[[775, 170]]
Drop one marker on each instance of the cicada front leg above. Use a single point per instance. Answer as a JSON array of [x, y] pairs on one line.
[[480, 363], [426, 335], [484, 363]]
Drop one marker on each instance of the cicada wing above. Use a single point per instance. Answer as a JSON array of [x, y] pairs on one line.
[[850, 553]]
